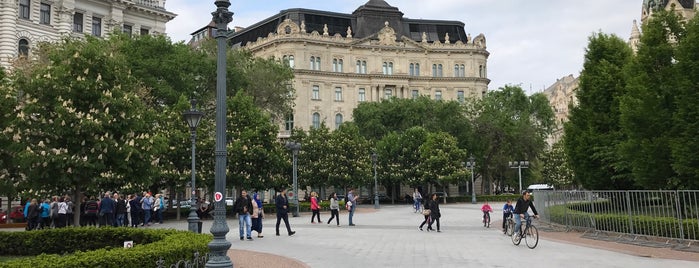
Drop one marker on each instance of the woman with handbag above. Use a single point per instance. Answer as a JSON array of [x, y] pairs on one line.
[[426, 212], [434, 212]]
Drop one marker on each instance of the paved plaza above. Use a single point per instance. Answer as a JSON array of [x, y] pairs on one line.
[[389, 237]]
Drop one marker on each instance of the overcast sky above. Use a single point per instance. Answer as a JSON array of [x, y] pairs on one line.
[[531, 42]]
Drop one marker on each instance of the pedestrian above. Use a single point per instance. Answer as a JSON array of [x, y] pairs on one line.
[[506, 213], [135, 210], [119, 210], [69, 211], [282, 204], [45, 214], [91, 210], [147, 206], [417, 200], [243, 207], [352, 205], [334, 209], [434, 212], [258, 213], [106, 213], [158, 207], [315, 208], [62, 211], [33, 212], [54, 211]]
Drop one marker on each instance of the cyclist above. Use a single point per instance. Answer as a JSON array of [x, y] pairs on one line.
[[506, 213], [486, 212], [521, 208]]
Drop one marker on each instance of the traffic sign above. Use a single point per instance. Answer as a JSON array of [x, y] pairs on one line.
[[218, 196]]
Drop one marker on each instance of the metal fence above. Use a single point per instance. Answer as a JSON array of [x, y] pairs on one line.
[[650, 218]]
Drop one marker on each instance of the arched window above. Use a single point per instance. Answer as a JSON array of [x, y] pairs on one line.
[[412, 69], [456, 71], [434, 70], [439, 70], [363, 66], [359, 67], [312, 63], [335, 65], [316, 120], [338, 120], [385, 67], [390, 67], [417, 69], [291, 61], [23, 47], [340, 65], [317, 64], [462, 68]]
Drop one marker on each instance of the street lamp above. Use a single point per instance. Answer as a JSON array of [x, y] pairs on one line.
[[218, 247], [192, 117], [376, 183], [295, 147], [471, 164], [519, 165]]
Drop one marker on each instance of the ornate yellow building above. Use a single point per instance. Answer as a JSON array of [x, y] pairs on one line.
[[341, 60]]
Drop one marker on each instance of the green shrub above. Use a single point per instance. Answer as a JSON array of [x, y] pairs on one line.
[[100, 247]]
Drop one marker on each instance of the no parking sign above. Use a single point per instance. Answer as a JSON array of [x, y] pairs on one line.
[[128, 244]]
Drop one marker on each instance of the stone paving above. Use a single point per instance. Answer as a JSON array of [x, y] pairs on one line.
[[389, 237]]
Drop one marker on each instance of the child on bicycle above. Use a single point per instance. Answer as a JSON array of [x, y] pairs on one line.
[[486, 212], [506, 213]]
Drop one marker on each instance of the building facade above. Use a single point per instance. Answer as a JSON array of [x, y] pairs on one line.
[[341, 60], [25, 23]]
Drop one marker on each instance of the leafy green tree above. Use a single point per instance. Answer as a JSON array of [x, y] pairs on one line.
[[555, 168], [593, 132], [11, 178], [648, 106], [315, 157], [685, 144], [440, 159], [82, 122], [350, 160], [253, 151]]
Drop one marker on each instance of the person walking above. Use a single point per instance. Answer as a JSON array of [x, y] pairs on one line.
[[417, 200], [243, 207], [147, 206], [334, 209], [434, 212], [315, 208], [282, 204], [158, 207], [352, 205], [258, 213]]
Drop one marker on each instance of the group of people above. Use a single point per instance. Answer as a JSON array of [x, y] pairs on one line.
[[110, 210], [250, 212]]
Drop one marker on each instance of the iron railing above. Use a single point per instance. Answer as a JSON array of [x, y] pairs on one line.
[[651, 218]]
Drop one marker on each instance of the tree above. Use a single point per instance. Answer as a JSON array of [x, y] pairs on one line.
[[440, 159], [82, 122], [555, 168], [350, 160], [593, 132], [684, 144], [11, 178], [649, 104]]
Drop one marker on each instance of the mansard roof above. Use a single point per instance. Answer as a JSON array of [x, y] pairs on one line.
[[365, 21]]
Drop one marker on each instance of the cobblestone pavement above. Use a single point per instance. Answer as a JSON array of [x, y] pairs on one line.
[[389, 237]]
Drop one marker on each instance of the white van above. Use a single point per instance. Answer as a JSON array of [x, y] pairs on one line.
[[540, 187]]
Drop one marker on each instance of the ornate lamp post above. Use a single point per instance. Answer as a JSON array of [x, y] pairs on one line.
[[519, 165], [376, 184], [192, 117], [219, 246], [295, 147], [471, 164]]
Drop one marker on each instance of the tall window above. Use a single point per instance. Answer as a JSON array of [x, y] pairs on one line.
[[388, 93], [315, 63], [24, 9], [439, 70], [362, 95], [144, 31], [414, 69], [460, 96], [288, 60], [97, 26], [388, 68], [45, 14], [361, 67], [315, 95], [337, 65], [436, 70], [438, 95], [338, 120], [459, 70], [415, 94], [289, 124], [481, 71], [338, 94], [316, 120], [78, 22], [127, 29], [23, 48]]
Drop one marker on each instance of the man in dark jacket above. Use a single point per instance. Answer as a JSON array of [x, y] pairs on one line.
[[523, 205], [243, 207], [107, 210], [282, 204]]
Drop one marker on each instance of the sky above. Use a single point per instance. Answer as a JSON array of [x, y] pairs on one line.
[[532, 43]]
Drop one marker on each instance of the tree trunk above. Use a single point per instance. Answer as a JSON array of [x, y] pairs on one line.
[[78, 194]]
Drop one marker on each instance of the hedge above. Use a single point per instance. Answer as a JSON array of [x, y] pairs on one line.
[[100, 247], [619, 223]]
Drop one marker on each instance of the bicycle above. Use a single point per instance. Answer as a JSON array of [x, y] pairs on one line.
[[486, 219], [529, 233], [509, 226]]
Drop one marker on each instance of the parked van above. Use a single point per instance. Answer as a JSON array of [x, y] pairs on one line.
[[540, 187]]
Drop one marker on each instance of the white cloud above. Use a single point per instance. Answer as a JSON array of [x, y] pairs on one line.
[[531, 42]]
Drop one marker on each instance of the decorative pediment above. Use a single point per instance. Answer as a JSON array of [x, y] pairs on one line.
[[288, 27], [387, 35]]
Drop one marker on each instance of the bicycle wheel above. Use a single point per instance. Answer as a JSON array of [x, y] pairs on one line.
[[516, 239], [510, 227], [532, 237]]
